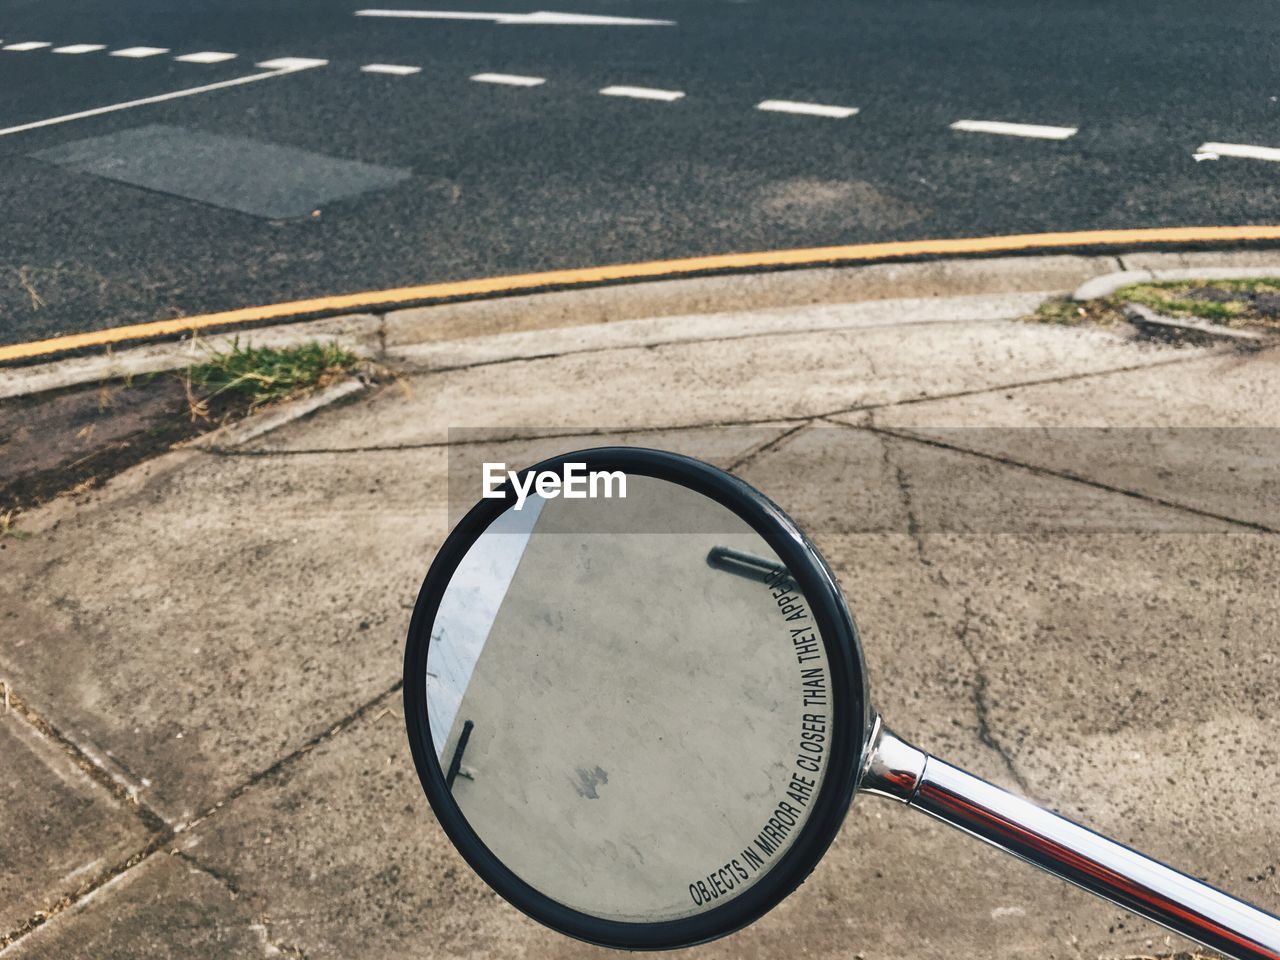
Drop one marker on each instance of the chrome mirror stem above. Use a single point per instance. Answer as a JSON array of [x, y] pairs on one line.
[[1111, 870]]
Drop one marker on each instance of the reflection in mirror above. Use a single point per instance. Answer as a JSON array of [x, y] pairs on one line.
[[629, 700]]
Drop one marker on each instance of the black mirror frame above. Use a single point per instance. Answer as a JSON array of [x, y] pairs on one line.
[[851, 713]]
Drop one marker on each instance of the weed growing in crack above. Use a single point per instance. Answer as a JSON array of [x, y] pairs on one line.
[[264, 374]]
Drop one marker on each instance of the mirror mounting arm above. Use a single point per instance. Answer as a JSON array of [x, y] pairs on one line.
[[893, 768], [1111, 870]]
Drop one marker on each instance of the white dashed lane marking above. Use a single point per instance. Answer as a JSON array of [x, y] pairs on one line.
[[394, 69], [510, 79], [1210, 150], [643, 93], [287, 64], [137, 53], [806, 109], [1242, 150], [206, 56], [1036, 130]]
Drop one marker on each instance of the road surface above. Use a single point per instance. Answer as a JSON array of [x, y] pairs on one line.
[[387, 151]]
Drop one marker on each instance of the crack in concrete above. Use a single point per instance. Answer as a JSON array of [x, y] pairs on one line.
[[263, 926], [222, 879], [768, 445], [913, 525], [1205, 353], [980, 681], [306, 747], [980, 704], [904, 493], [1072, 477]]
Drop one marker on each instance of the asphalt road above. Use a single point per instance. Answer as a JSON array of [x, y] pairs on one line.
[[456, 178]]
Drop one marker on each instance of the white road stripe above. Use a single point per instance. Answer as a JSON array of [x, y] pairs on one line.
[[432, 15], [282, 67], [808, 109], [137, 53], [1242, 150], [80, 48], [1015, 129], [544, 17], [643, 93], [584, 20], [206, 56], [396, 70], [28, 45], [511, 79]]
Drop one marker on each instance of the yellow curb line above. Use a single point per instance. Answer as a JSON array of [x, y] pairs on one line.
[[653, 269]]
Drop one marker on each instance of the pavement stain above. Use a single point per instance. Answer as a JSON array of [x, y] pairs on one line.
[[588, 782], [69, 441], [811, 202]]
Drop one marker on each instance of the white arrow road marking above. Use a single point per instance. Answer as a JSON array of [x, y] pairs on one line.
[[1242, 150], [1015, 129], [544, 17], [510, 79], [80, 48], [808, 109], [643, 93], [277, 68]]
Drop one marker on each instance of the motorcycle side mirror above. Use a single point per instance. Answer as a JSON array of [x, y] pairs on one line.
[[641, 716]]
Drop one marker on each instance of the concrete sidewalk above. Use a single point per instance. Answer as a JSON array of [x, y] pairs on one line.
[[204, 754]]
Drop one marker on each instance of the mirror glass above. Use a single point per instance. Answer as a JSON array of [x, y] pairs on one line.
[[629, 700]]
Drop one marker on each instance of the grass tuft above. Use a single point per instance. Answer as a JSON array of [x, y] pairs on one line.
[[1234, 303], [8, 528], [266, 374], [1221, 301], [1062, 312]]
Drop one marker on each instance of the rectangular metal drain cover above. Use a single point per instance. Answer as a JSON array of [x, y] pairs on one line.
[[235, 173]]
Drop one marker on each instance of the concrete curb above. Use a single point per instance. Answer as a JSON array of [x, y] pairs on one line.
[[358, 333], [376, 335]]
